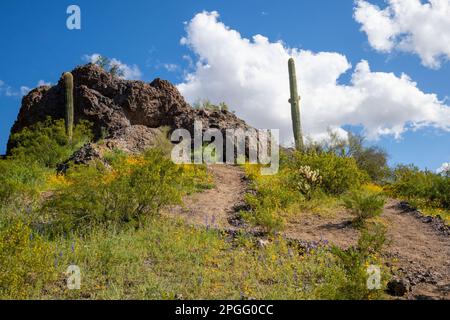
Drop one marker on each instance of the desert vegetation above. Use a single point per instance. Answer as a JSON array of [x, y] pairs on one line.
[[105, 217], [110, 215]]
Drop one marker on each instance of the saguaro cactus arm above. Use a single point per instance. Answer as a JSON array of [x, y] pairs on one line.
[[68, 82], [295, 106]]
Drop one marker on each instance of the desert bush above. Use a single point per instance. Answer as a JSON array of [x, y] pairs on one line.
[[271, 199], [364, 205], [339, 174], [305, 180], [20, 182], [46, 142], [133, 189], [136, 187], [356, 260], [423, 188], [207, 105], [26, 262], [372, 159]]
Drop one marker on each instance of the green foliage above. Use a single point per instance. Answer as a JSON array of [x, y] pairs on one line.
[[364, 205], [207, 105], [271, 200], [110, 66], [68, 82], [295, 107], [26, 262], [136, 187], [46, 142], [339, 174], [356, 260], [302, 179], [166, 259], [372, 160], [425, 188], [20, 183], [305, 180]]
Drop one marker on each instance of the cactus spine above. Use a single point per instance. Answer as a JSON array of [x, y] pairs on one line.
[[68, 81], [295, 107]]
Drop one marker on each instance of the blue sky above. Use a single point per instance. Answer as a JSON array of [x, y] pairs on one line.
[[36, 45]]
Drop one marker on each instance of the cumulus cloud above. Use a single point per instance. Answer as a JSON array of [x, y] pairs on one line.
[[444, 168], [251, 75], [419, 27], [130, 72], [44, 83], [24, 90]]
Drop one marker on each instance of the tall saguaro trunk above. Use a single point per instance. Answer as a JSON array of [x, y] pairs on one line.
[[295, 107], [68, 81]]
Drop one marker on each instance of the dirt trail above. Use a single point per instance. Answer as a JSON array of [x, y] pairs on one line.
[[423, 253], [418, 252], [216, 207]]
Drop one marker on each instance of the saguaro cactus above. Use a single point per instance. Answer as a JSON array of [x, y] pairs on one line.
[[68, 81], [295, 107]]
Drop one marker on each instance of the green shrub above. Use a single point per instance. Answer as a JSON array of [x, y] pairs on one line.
[[356, 260], [46, 142], [305, 180], [421, 187], [20, 182], [271, 200], [339, 174], [136, 187], [364, 205], [26, 262], [372, 160]]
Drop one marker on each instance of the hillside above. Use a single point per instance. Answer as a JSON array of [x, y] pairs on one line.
[[110, 201]]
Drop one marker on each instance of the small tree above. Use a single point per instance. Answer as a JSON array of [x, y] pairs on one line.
[[112, 67]]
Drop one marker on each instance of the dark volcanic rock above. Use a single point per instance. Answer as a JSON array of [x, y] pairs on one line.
[[398, 287], [128, 111], [437, 223]]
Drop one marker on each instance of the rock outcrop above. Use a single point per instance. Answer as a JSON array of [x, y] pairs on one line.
[[129, 112]]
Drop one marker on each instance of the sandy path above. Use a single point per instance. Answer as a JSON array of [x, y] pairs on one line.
[[423, 254], [216, 207]]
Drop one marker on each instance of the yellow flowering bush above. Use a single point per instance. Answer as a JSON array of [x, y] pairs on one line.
[[26, 262]]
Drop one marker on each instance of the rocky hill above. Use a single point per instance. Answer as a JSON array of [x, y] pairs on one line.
[[127, 113]]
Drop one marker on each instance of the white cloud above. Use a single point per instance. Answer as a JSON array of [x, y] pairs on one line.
[[252, 77], [24, 90], [171, 67], [444, 168], [419, 27], [130, 72], [43, 83], [7, 90]]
